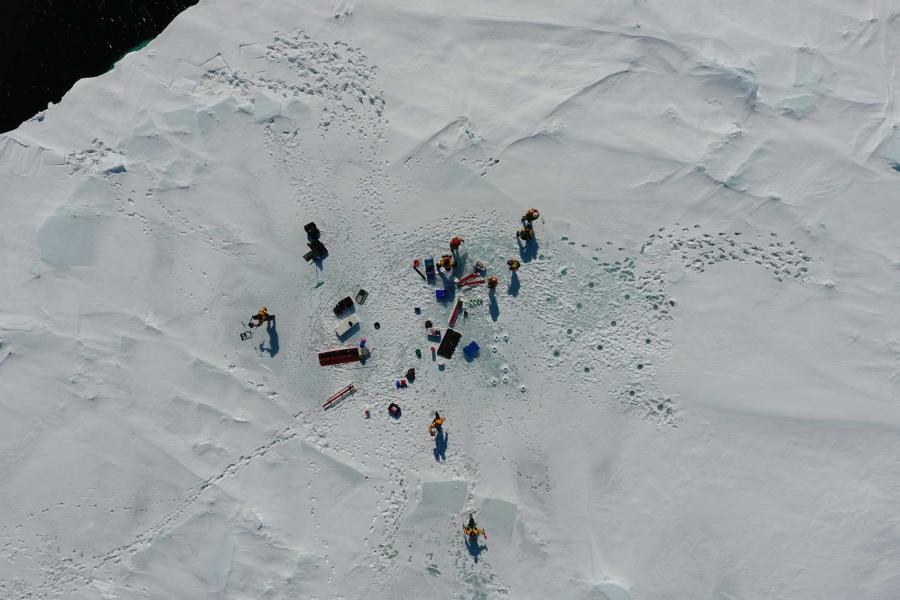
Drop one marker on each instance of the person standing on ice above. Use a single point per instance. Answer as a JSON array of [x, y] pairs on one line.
[[437, 425], [455, 243], [261, 317], [513, 264], [471, 529], [526, 233]]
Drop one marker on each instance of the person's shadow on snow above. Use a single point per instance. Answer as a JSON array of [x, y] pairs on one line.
[[273, 340], [493, 307], [474, 547], [449, 288], [459, 263], [440, 446], [528, 251], [513, 289]]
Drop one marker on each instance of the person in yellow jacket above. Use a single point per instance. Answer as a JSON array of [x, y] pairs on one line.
[[513, 264], [261, 317], [472, 530], [437, 424], [446, 263]]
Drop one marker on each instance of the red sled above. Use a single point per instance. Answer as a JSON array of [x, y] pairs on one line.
[[470, 282], [339, 356], [340, 394], [463, 281], [455, 314]]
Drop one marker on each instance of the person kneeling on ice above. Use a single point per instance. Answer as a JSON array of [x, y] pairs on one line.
[[436, 425], [526, 234], [261, 317], [472, 530], [446, 263]]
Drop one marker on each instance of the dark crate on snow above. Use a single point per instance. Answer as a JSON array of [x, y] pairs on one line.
[[449, 343], [343, 306], [317, 251]]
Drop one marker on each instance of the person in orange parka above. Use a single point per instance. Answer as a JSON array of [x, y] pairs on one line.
[[437, 424], [261, 317], [472, 529], [446, 263]]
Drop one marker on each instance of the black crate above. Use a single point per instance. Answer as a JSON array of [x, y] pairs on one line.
[[449, 343], [343, 306]]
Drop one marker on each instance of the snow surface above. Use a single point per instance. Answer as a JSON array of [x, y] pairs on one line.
[[689, 392]]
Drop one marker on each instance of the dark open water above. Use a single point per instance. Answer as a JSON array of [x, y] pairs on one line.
[[48, 45]]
